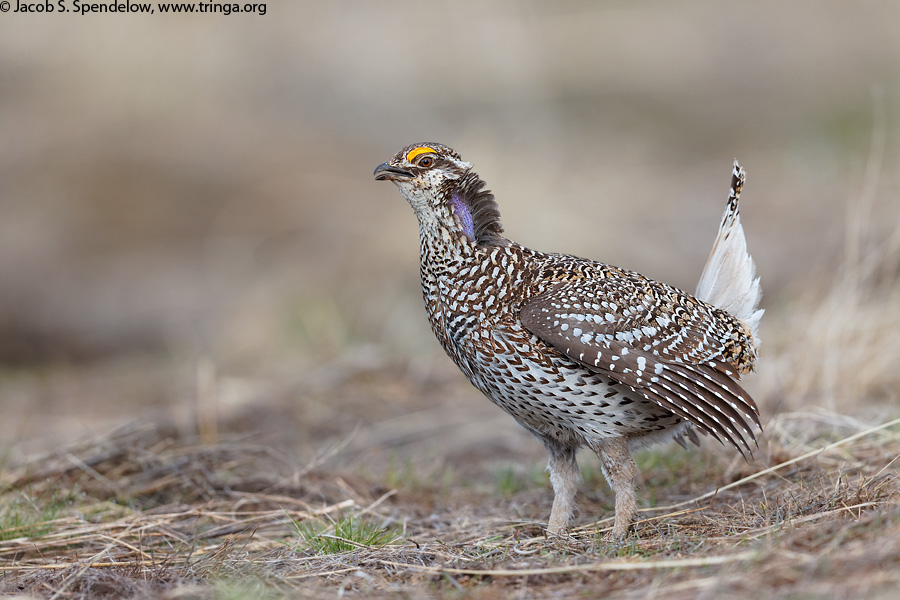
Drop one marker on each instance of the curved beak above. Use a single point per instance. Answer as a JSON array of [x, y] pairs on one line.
[[385, 171]]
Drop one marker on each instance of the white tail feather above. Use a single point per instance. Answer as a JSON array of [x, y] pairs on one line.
[[728, 280]]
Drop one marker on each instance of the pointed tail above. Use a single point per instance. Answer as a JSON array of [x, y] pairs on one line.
[[729, 278]]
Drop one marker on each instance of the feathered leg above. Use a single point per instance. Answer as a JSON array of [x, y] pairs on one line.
[[619, 470], [564, 477]]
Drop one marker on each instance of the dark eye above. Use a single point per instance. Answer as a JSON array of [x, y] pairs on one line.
[[426, 161]]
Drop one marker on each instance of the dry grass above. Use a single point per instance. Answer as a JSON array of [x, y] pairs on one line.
[[157, 512], [148, 513], [837, 345]]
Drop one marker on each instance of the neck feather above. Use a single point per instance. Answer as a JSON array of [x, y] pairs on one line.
[[476, 210]]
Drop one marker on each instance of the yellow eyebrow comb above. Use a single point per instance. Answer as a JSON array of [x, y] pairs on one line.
[[417, 151]]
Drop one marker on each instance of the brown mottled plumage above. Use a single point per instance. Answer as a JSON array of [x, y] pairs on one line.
[[581, 353]]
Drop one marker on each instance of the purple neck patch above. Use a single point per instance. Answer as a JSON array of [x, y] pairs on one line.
[[465, 216]]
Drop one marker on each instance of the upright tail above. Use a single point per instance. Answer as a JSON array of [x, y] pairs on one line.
[[729, 278]]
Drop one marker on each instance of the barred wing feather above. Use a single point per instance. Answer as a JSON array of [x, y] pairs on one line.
[[683, 354]]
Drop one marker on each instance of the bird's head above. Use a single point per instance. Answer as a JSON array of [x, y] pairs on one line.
[[444, 191]]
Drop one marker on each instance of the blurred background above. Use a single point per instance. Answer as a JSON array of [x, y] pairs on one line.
[[190, 232]]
